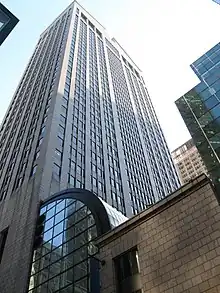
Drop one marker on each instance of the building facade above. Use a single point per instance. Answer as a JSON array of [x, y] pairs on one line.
[[188, 162], [7, 22], [81, 117], [200, 109], [172, 246]]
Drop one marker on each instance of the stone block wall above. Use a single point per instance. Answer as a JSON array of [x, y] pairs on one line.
[[178, 242]]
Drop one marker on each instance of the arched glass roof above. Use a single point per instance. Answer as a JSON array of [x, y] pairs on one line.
[[116, 218]]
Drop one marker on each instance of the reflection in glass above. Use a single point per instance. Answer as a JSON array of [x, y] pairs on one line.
[[215, 111], [4, 19], [69, 231], [48, 235], [49, 224]]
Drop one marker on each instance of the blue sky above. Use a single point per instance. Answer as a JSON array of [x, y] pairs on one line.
[[162, 36]]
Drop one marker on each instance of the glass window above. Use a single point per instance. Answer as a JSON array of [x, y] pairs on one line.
[[127, 265], [56, 169], [205, 119], [215, 111], [34, 169], [99, 185], [211, 102], [62, 119], [61, 131], [72, 180], [205, 94], [94, 181], [215, 141], [58, 153]]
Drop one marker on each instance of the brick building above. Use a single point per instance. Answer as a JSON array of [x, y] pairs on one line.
[[171, 247]]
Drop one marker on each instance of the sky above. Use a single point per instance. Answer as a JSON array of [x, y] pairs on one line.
[[163, 37]]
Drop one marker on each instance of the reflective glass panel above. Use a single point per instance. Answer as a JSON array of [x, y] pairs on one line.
[[61, 263]]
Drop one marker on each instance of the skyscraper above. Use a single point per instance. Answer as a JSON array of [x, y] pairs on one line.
[[82, 117], [200, 109]]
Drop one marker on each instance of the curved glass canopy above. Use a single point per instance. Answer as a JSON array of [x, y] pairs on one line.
[[66, 261]]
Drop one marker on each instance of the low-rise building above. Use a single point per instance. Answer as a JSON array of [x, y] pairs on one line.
[[173, 246]]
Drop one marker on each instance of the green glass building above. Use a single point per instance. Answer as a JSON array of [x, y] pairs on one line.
[[200, 109]]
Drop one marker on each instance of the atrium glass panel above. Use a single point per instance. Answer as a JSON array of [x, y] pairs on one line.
[[64, 255]]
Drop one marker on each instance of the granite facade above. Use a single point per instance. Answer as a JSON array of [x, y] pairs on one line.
[[177, 241]]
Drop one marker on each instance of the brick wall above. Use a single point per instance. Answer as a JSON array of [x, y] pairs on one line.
[[178, 245]]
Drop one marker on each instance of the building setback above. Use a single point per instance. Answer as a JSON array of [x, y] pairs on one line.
[[172, 246], [188, 162], [200, 109], [81, 117]]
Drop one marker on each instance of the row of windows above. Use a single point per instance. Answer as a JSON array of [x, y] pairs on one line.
[[40, 67], [77, 159], [114, 168], [97, 183], [130, 137], [57, 164]]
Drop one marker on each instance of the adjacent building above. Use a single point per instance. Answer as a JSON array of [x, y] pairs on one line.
[[172, 246], [188, 162], [82, 118], [7, 22], [200, 109], [216, 1]]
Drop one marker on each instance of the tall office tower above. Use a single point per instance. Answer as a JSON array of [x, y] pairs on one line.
[[82, 117], [200, 109], [188, 162]]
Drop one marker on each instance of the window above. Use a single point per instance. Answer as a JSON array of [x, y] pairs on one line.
[[37, 155], [78, 184], [58, 153], [62, 119], [127, 265], [99, 172], [78, 169], [34, 169], [72, 180], [99, 185], [42, 130], [56, 169], [60, 142], [93, 168], [94, 182], [40, 141], [61, 131], [3, 237]]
